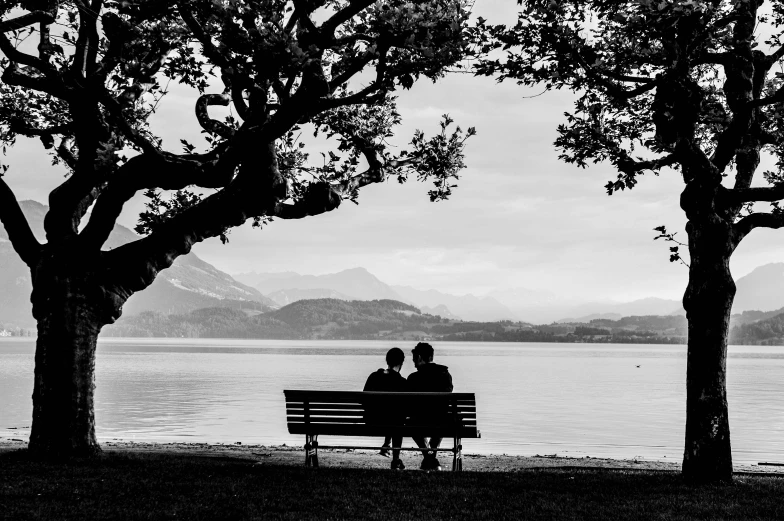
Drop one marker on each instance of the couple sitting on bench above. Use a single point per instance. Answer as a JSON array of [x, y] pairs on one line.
[[429, 378]]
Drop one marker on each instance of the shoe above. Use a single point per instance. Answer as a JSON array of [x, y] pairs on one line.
[[397, 464], [384, 452], [429, 462]]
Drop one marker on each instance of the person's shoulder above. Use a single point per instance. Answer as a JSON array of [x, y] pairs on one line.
[[373, 380]]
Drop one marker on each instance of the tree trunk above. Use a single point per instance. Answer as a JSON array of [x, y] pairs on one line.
[[69, 321], [708, 300]]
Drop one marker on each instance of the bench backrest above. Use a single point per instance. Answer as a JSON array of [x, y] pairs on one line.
[[364, 413]]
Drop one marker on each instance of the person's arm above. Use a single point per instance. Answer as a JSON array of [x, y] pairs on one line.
[[448, 382]]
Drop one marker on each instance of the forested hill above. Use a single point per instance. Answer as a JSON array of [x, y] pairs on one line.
[[769, 331], [318, 318], [385, 319]]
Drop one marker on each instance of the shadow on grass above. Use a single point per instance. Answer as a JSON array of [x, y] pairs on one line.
[[157, 486]]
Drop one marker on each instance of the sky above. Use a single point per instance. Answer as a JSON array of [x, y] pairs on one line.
[[519, 219]]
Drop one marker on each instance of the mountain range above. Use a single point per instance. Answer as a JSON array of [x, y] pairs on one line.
[[761, 290], [360, 284], [189, 284]]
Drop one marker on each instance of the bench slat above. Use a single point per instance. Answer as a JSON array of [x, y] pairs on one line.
[[326, 405], [382, 430], [361, 411], [300, 405], [325, 412], [346, 419], [344, 396], [360, 418]]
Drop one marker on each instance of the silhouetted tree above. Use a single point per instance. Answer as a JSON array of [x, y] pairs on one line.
[[85, 76], [684, 84]]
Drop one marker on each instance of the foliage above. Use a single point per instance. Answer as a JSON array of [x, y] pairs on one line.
[[686, 84], [95, 75], [675, 255]]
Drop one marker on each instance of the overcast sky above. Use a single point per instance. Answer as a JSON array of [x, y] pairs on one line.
[[518, 219]]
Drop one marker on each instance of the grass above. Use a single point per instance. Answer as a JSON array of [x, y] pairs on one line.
[[156, 486]]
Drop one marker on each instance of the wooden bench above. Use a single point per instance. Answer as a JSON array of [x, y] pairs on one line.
[[346, 413]]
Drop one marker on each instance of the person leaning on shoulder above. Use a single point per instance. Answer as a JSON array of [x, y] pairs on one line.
[[429, 377]]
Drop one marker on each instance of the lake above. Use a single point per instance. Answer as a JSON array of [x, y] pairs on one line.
[[621, 401]]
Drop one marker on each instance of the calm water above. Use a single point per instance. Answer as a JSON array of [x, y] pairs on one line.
[[567, 399]]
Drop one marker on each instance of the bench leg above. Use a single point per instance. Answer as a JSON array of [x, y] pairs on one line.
[[311, 450], [457, 460]]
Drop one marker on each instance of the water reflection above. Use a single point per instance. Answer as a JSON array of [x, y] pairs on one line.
[[532, 398]]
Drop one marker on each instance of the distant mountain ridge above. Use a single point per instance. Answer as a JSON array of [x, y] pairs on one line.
[[189, 284], [467, 307], [761, 290], [357, 283], [539, 307]]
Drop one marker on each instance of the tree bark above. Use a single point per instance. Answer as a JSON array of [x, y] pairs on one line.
[[707, 456], [70, 314]]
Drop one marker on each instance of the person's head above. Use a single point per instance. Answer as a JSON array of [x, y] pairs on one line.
[[395, 358], [423, 354]]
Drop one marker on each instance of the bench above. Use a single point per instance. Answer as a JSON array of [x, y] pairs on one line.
[[345, 413]]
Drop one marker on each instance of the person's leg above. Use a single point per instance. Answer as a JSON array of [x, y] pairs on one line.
[[385, 447], [397, 463], [421, 441], [434, 443], [427, 456], [397, 441]]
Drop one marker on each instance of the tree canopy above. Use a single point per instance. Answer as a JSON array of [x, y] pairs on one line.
[[690, 85], [85, 77]]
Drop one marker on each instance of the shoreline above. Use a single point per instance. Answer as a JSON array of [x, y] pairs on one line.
[[290, 455]]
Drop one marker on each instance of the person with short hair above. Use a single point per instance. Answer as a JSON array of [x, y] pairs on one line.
[[389, 380], [429, 378]]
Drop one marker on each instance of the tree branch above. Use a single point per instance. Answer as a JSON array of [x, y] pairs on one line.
[[756, 220], [776, 97], [611, 88], [318, 198], [344, 15], [19, 233], [150, 171], [737, 196], [713, 58], [13, 75], [776, 56], [115, 110], [210, 51], [324, 197], [16, 56], [212, 125], [31, 18], [86, 47]]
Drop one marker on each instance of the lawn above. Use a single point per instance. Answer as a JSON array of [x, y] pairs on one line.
[[162, 486]]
